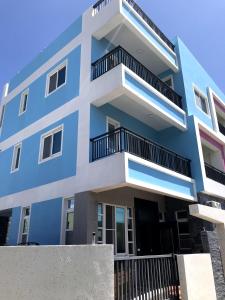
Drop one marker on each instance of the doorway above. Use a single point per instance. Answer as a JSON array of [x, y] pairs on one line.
[[147, 227]]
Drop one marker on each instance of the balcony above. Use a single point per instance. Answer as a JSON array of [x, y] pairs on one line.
[[102, 3], [215, 174], [121, 56], [123, 22], [124, 140]]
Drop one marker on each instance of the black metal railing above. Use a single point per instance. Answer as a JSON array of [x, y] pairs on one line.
[[123, 139], [221, 128], [147, 277], [151, 24], [99, 5], [121, 56], [214, 173], [102, 3]]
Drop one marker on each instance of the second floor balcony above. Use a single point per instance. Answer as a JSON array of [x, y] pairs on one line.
[[123, 158], [215, 174], [123, 81], [124, 140]]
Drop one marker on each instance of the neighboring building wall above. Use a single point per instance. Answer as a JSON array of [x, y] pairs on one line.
[[65, 272], [211, 245]]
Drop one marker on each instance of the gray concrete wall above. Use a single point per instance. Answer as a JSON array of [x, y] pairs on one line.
[[57, 273]]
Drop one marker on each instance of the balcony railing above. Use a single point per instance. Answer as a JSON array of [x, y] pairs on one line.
[[147, 277], [123, 139], [214, 174], [221, 128], [97, 7], [121, 56], [151, 24]]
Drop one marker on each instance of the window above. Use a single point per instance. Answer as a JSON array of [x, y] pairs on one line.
[[25, 224], [115, 226], [2, 116], [69, 214], [56, 79], [169, 81], [201, 101], [16, 158], [51, 144], [23, 102]]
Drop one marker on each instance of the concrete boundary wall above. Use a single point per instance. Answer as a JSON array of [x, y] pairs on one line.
[[196, 277], [57, 272]]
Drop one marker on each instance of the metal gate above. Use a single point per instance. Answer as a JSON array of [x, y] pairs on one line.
[[146, 278]]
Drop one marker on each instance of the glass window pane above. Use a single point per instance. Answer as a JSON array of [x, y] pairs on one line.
[[47, 147], [69, 220], [109, 236], [130, 236], [52, 83], [24, 103], [130, 224], [131, 248], [70, 204], [61, 76], [25, 226], [17, 158], [57, 142], [203, 105], [100, 221], [27, 211], [100, 236], [120, 229], [129, 212], [100, 208], [110, 217]]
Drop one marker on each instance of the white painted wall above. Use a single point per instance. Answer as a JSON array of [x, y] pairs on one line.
[[196, 277]]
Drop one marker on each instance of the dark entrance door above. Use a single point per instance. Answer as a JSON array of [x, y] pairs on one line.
[[147, 227], [3, 229]]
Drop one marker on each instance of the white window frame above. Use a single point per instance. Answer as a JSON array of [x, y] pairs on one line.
[[2, 115], [63, 218], [22, 98], [110, 120], [67, 211], [15, 149], [164, 79], [56, 70], [41, 148], [197, 90], [22, 218], [126, 229]]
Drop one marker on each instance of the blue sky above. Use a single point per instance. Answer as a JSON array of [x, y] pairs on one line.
[[28, 26]]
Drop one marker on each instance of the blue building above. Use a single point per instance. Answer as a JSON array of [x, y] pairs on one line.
[[112, 129]]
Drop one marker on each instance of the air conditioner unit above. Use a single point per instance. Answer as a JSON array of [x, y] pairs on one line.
[[214, 204]]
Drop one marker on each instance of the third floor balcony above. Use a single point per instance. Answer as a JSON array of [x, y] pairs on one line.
[[123, 22], [123, 81]]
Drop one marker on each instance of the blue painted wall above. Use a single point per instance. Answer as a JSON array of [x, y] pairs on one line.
[[70, 33], [151, 176], [45, 222], [14, 227], [193, 73], [38, 105], [31, 174], [98, 117]]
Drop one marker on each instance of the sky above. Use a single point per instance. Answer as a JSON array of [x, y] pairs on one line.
[[28, 26]]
